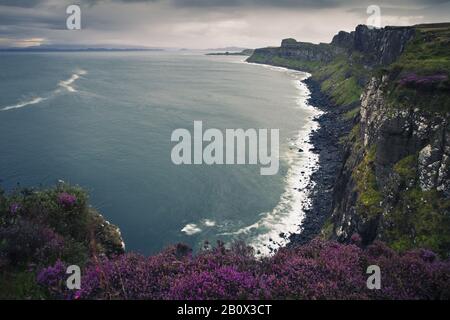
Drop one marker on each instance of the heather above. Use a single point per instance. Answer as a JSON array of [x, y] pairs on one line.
[[318, 270], [429, 82], [421, 74], [38, 243], [40, 227]]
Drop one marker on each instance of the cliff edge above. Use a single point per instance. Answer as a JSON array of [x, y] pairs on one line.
[[392, 85]]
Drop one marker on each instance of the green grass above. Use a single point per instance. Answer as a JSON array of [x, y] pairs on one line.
[[406, 168], [353, 137], [327, 229], [418, 220], [341, 79], [351, 114], [399, 97], [368, 203], [347, 92], [44, 230], [427, 54], [273, 59], [20, 285], [418, 217]]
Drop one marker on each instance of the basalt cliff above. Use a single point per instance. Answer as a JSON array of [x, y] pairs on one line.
[[388, 96]]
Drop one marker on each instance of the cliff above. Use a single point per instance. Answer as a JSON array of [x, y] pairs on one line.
[[42, 227], [378, 46], [296, 55], [392, 84]]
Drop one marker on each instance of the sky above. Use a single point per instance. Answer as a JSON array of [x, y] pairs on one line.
[[200, 24]]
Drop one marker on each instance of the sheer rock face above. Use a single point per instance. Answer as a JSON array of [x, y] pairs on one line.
[[107, 238], [434, 164], [397, 156], [299, 51], [394, 133], [380, 46], [291, 49]]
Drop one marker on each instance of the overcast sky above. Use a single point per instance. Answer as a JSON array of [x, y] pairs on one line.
[[200, 23]]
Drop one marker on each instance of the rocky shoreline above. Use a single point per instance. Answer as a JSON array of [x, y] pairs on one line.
[[325, 140]]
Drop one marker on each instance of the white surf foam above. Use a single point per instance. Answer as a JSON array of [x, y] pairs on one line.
[[24, 104], [66, 84], [191, 229], [274, 227], [208, 223]]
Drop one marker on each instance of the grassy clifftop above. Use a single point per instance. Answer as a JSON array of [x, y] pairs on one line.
[[40, 227], [395, 182], [421, 74], [421, 62]]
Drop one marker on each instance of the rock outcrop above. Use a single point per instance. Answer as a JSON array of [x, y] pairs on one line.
[[379, 46], [394, 181], [411, 152], [307, 54], [291, 49]]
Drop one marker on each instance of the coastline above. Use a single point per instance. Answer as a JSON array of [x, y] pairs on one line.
[[285, 219], [325, 140], [324, 137]]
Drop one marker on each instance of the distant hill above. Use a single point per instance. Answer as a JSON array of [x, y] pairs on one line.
[[245, 52], [229, 49]]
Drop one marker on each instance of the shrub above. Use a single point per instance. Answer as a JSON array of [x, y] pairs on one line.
[[318, 270], [34, 254], [429, 82], [26, 242]]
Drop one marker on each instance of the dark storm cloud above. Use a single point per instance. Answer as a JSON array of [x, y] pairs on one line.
[[35, 3], [12, 17], [203, 23], [20, 3], [44, 21], [306, 4], [262, 3], [240, 3]]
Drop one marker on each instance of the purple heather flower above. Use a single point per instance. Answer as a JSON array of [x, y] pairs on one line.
[[14, 208], [416, 81], [52, 275], [67, 200], [317, 270], [427, 255], [356, 239], [77, 295]]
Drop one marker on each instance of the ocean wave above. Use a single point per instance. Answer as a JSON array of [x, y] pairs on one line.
[[24, 104], [208, 223], [272, 230], [66, 84], [191, 229]]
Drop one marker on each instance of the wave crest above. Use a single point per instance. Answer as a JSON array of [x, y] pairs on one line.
[[24, 104], [66, 84]]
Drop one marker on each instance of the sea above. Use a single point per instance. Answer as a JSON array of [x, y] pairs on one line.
[[103, 121]]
